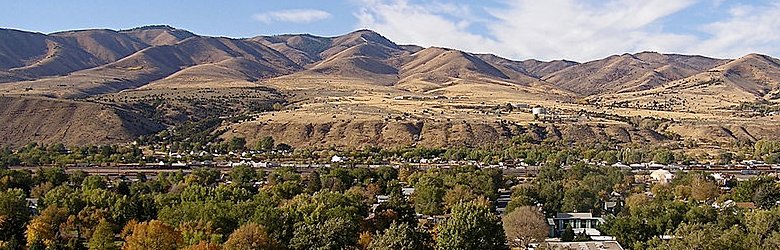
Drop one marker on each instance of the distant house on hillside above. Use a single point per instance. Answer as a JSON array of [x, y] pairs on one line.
[[621, 165], [538, 110], [337, 158], [520, 105]]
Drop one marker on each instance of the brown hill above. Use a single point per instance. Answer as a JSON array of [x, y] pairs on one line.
[[748, 79], [629, 72], [33, 55], [307, 49], [369, 56], [439, 65], [44, 120], [540, 68], [302, 49], [361, 54], [361, 133], [446, 95], [28, 56], [155, 35], [105, 45], [156, 63]]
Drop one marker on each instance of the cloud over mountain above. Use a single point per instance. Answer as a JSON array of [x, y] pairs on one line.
[[578, 30], [292, 16]]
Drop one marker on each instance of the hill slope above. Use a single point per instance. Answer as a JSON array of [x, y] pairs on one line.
[[748, 79], [43, 120], [629, 72], [171, 74]]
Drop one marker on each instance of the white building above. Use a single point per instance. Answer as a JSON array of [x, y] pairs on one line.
[[579, 222], [539, 111], [662, 176], [337, 158]]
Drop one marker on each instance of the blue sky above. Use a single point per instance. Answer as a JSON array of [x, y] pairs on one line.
[[519, 29]]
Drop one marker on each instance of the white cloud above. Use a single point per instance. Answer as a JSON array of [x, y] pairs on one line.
[[292, 16], [748, 29], [426, 25], [572, 29]]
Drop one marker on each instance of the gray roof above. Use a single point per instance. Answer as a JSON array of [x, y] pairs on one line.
[[575, 216]]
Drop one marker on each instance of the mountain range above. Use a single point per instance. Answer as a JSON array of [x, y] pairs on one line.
[[142, 80]]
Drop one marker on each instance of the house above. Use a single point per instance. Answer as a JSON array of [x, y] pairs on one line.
[[407, 191], [662, 176], [579, 222], [656, 166], [520, 105], [621, 166], [382, 198], [337, 158]]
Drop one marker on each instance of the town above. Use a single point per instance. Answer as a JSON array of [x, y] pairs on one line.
[[431, 183]]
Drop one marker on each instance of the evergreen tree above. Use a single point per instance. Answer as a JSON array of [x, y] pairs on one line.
[[568, 234]]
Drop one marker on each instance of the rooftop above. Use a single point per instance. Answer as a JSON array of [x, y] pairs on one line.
[[586, 245], [575, 216]]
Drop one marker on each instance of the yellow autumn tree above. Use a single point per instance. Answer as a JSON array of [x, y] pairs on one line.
[[45, 227], [248, 237], [153, 235], [203, 245]]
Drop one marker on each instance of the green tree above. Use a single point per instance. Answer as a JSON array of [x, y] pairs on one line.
[[237, 144], [313, 182], [204, 176], [762, 228], [242, 174], [579, 199], [761, 190], [197, 231], [402, 236], [14, 214], [428, 195], [265, 144], [458, 194], [663, 157], [471, 226], [93, 182], [522, 195], [103, 237], [333, 234], [54, 175], [706, 237], [767, 196]]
